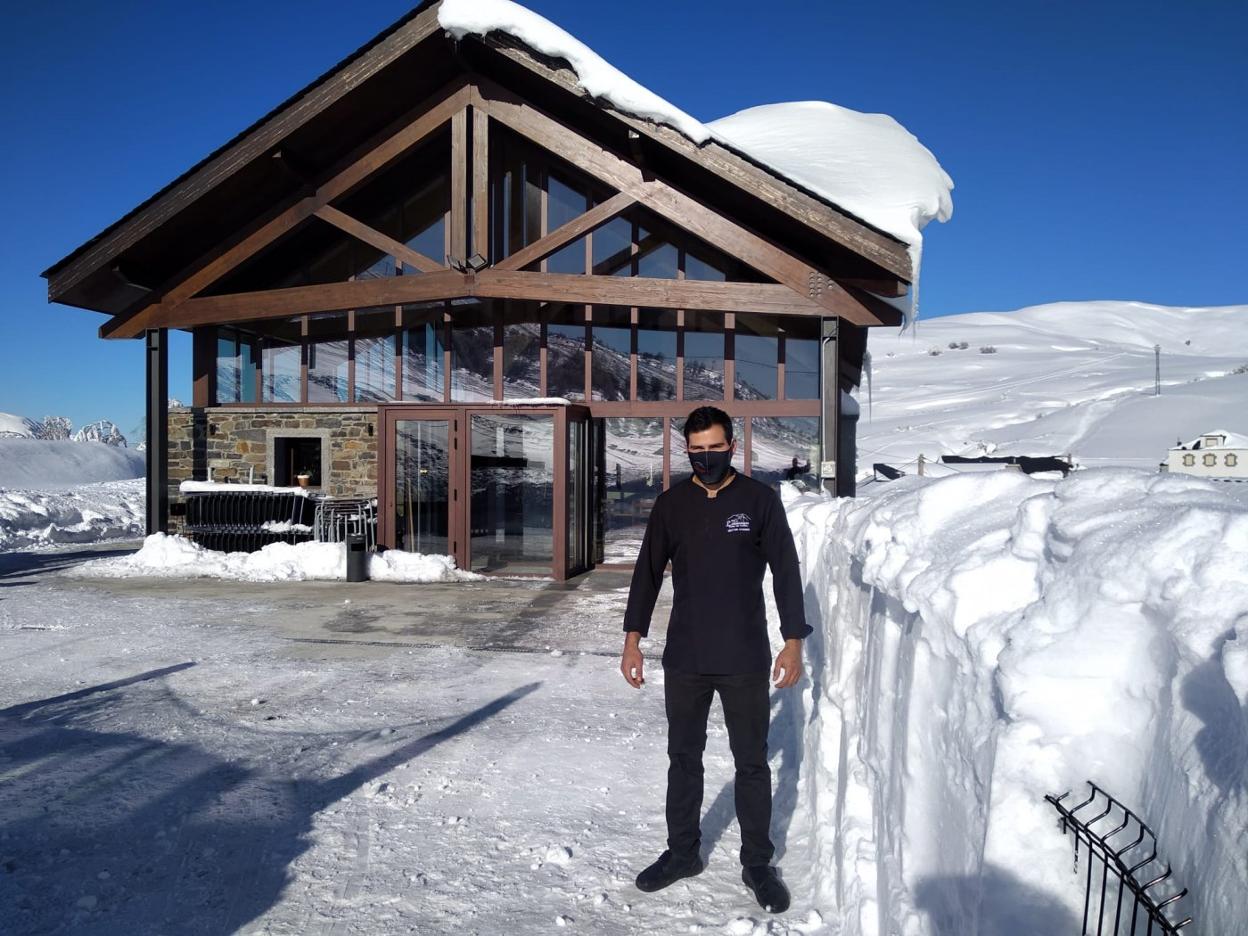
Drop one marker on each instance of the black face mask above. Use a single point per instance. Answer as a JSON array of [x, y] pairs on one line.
[[710, 467]]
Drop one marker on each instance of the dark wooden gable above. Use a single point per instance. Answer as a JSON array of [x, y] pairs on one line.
[[163, 265]]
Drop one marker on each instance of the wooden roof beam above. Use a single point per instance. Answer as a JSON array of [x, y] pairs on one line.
[[591, 220], [371, 236], [434, 116], [685, 212]]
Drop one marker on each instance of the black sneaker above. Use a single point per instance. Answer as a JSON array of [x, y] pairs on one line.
[[768, 889], [667, 871]]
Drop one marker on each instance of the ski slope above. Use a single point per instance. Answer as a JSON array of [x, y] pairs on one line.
[[1071, 377]]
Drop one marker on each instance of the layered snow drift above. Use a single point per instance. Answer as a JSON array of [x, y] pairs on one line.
[[165, 556], [49, 465], [986, 639], [89, 514], [868, 164]]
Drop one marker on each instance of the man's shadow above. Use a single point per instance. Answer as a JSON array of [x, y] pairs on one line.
[[113, 832]]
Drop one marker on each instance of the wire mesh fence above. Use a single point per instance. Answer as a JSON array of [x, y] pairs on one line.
[[1127, 892]]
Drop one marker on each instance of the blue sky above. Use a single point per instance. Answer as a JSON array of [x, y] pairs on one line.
[[1098, 147]]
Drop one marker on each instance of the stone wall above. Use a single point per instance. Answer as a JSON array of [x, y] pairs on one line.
[[236, 443]]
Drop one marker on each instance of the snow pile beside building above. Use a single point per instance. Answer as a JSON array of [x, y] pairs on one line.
[[47, 465], [986, 639], [90, 513], [165, 556]]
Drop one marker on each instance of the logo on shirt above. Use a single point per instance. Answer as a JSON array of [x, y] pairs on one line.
[[738, 523]]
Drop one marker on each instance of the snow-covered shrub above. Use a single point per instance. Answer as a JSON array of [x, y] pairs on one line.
[[934, 352], [988, 349]]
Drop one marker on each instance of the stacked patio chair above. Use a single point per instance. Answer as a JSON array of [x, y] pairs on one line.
[[246, 521]]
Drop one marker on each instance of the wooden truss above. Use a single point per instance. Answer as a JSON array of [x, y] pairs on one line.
[[799, 287]]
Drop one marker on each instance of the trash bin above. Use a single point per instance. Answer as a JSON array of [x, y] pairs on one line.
[[357, 558]]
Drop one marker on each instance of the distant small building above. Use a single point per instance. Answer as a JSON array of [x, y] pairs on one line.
[[1218, 454]]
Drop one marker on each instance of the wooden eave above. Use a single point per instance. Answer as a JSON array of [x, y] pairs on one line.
[[282, 158]]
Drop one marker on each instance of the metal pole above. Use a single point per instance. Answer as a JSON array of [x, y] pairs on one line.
[[830, 408], [1157, 379], [157, 342]]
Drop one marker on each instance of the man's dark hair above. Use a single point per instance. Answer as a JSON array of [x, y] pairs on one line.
[[704, 417]]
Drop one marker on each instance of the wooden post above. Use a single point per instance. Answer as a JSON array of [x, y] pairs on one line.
[[922, 463], [157, 431]]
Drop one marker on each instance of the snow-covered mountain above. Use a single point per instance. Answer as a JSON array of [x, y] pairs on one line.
[[17, 427], [1071, 377], [101, 430]]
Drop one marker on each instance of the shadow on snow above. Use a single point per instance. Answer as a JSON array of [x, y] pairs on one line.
[[119, 833]]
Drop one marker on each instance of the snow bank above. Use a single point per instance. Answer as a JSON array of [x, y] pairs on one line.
[[175, 557], [985, 639], [48, 465], [89, 514]]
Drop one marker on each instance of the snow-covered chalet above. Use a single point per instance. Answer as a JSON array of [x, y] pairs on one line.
[[476, 273]]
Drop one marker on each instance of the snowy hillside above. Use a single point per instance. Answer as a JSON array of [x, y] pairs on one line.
[[17, 427], [1073, 377], [46, 466]]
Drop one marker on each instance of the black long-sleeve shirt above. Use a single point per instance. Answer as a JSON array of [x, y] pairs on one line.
[[719, 547]]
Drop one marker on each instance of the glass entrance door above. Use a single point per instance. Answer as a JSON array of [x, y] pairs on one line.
[[422, 449], [512, 480]]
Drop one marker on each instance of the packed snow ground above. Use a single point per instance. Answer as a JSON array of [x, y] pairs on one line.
[[173, 764], [1073, 377]]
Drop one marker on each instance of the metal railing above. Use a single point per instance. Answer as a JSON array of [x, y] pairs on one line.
[[1129, 868]]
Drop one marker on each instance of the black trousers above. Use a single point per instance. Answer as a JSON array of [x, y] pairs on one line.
[[747, 714]]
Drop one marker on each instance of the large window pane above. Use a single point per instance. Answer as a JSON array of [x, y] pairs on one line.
[[565, 203], [634, 465], [521, 357], [375, 377], [801, 360], [655, 257], [282, 361], [613, 248], [565, 352], [704, 356], [236, 368], [517, 196], [612, 349], [656, 354], [703, 264], [328, 358], [423, 353], [756, 349], [472, 353], [784, 448], [512, 484]]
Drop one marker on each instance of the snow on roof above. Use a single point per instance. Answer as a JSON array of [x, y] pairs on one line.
[[867, 164], [1230, 440], [597, 76]]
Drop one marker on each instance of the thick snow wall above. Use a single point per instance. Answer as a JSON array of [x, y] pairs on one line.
[[985, 639]]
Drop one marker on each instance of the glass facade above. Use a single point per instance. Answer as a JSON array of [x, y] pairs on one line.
[[423, 356], [756, 351], [801, 359], [235, 368], [375, 348], [472, 353], [329, 358], [522, 360], [634, 478], [421, 500], [565, 352], [656, 354], [784, 448], [704, 356], [612, 336], [511, 488]]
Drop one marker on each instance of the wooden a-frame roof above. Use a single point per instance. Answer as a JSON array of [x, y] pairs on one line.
[[289, 151]]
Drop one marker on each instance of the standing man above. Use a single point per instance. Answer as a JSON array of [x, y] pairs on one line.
[[720, 530]]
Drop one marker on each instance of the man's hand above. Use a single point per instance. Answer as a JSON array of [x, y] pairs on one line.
[[631, 662], [788, 660]]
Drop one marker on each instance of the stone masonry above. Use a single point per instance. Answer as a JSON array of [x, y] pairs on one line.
[[237, 442]]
